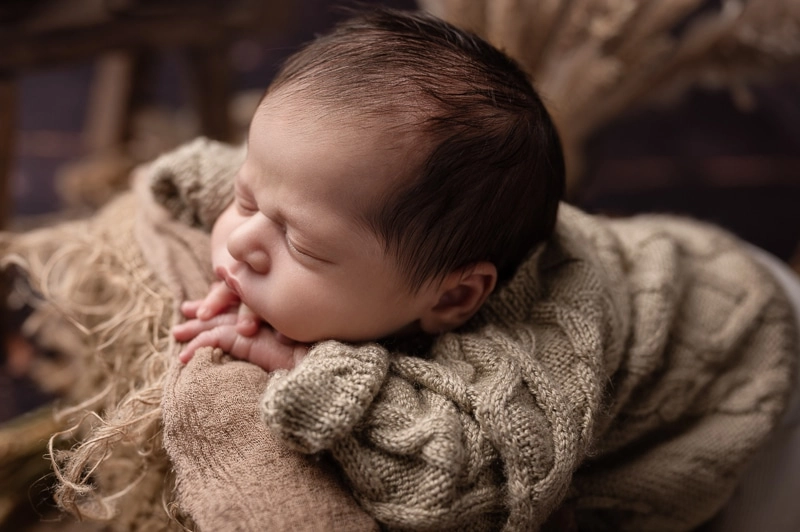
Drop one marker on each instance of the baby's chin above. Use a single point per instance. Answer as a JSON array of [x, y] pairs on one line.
[[284, 338]]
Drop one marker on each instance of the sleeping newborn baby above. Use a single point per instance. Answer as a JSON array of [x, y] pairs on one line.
[[402, 181], [395, 170]]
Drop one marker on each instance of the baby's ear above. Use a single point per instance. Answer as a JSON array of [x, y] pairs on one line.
[[459, 297]]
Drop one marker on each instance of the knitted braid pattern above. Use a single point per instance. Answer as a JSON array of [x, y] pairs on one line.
[[604, 376]]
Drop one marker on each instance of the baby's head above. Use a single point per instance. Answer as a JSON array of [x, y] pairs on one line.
[[397, 169]]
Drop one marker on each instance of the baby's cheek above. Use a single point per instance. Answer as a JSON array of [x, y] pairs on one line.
[[295, 315]]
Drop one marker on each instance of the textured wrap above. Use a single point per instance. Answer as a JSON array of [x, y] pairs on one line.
[[628, 371]]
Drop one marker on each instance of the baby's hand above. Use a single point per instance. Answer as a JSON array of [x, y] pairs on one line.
[[219, 299], [263, 348]]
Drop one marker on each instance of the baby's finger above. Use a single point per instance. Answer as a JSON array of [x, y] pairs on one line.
[[208, 338], [247, 323], [189, 308], [219, 298], [223, 336], [185, 332]]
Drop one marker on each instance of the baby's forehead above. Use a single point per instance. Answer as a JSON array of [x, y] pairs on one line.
[[362, 156], [382, 116], [390, 131]]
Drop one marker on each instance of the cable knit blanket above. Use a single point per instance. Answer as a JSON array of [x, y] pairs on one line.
[[628, 370], [625, 374]]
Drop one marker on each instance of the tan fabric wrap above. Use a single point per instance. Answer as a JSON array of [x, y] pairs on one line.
[[232, 473]]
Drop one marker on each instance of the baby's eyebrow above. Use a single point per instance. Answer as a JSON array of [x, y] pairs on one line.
[[297, 225]]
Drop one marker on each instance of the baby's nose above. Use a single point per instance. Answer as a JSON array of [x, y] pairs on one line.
[[246, 244], [257, 259]]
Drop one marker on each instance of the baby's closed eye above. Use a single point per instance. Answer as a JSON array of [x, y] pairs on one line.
[[303, 252]]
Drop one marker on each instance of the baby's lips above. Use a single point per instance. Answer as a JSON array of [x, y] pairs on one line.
[[224, 275]]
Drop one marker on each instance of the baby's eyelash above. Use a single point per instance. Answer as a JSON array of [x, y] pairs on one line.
[[299, 251], [295, 248]]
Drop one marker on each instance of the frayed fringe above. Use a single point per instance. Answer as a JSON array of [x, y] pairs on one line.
[[100, 307]]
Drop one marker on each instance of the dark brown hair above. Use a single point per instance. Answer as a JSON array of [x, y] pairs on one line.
[[492, 177]]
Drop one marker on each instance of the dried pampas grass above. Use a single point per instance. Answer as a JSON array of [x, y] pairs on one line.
[[593, 60]]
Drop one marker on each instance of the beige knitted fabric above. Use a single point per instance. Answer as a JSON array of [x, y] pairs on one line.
[[627, 371], [194, 182]]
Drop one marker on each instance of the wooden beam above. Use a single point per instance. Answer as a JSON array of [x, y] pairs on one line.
[[210, 77], [25, 48]]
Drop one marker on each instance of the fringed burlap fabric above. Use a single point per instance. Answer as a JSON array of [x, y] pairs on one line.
[[625, 374], [162, 445]]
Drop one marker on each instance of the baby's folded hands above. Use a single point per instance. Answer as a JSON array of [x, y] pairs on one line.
[[236, 330], [219, 300]]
